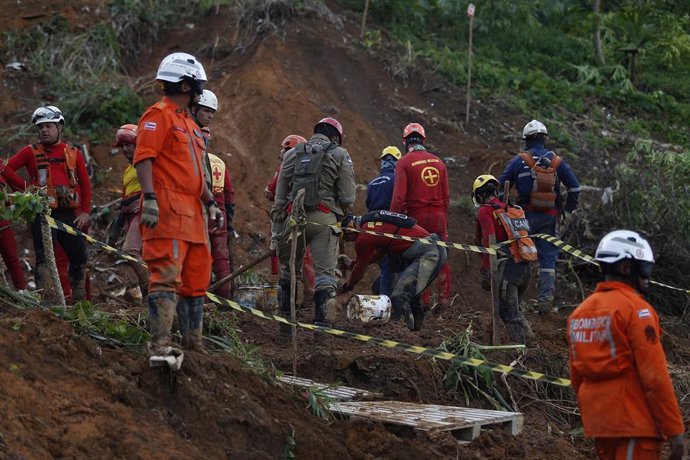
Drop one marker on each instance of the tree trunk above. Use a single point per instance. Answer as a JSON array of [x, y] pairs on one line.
[[598, 53], [47, 237]]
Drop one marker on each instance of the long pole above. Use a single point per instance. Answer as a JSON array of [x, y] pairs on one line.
[[364, 18], [48, 250], [297, 211], [495, 339], [469, 75]]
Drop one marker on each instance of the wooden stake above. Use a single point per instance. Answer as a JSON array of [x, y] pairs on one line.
[[469, 75], [240, 270], [364, 18], [495, 339], [297, 212]]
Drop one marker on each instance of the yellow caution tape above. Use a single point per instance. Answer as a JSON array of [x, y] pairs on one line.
[[56, 224], [432, 352]]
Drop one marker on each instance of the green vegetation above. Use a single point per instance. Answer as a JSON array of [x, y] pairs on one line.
[[22, 206], [539, 55]]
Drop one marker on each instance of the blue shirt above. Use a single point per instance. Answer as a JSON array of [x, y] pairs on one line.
[[520, 177], [380, 190]]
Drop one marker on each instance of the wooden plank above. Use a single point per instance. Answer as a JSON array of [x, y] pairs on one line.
[[340, 393]]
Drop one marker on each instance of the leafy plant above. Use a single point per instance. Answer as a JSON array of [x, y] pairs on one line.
[[22, 206], [318, 402]]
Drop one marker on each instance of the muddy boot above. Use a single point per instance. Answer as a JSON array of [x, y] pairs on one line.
[[408, 316], [418, 315], [544, 307], [161, 315], [527, 327], [516, 332], [324, 307], [190, 313], [78, 289], [284, 330]]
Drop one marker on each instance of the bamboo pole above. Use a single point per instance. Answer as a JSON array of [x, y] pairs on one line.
[[469, 72], [495, 339], [48, 250], [364, 18], [297, 211]]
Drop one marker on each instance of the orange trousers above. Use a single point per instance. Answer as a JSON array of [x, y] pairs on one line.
[[178, 266], [629, 448]]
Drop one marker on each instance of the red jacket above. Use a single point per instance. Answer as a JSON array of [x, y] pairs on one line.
[[618, 366], [25, 158], [421, 181], [487, 226], [370, 248]]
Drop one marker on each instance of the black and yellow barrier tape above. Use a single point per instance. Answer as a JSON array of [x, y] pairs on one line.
[[56, 224], [431, 352]]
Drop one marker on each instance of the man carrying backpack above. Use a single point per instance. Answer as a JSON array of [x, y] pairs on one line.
[[418, 263], [504, 222], [379, 196], [537, 174], [324, 170]]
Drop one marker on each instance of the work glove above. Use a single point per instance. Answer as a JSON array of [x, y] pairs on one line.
[[115, 228], [566, 218], [149, 211], [344, 262], [82, 220], [215, 215], [486, 279], [273, 245]]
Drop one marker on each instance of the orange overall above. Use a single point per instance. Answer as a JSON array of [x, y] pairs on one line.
[[177, 249], [619, 373]]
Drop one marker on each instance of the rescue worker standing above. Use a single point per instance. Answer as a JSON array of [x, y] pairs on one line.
[[60, 168], [513, 271], [218, 179], [421, 192], [169, 164], [8, 243], [379, 196], [418, 263], [537, 174], [324, 170], [618, 367], [127, 219]]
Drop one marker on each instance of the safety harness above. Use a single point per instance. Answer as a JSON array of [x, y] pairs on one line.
[[59, 196]]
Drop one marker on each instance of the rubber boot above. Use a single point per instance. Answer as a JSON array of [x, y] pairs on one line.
[[418, 315], [284, 330], [408, 316], [161, 315], [78, 286], [190, 314], [516, 332], [42, 278], [324, 307]]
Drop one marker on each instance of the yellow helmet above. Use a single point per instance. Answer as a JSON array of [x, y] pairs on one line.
[[392, 151], [482, 180]]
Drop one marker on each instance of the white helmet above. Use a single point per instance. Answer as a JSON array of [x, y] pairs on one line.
[[174, 67], [208, 99], [47, 114], [533, 127], [624, 244]]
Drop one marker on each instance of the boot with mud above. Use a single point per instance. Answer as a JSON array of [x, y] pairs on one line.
[[408, 316], [516, 332], [161, 314], [284, 330], [527, 327], [43, 282], [324, 307], [544, 307], [190, 314], [418, 313]]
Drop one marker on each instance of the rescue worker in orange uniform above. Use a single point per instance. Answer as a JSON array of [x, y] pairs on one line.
[[127, 219], [8, 244], [617, 364], [421, 192], [270, 192], [218, 181], [60, 168], [169, 163]]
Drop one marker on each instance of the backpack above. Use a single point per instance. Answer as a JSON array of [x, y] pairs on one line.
[[514, 222], [543, 195], [308, 164]]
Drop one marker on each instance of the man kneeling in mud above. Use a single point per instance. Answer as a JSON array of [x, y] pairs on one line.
[[417, 263]]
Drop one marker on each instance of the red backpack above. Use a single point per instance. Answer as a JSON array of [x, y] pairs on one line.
[[514, 222], [543, 194]]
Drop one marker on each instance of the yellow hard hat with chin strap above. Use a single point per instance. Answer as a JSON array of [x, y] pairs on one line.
[[480, 182], [392, 151]]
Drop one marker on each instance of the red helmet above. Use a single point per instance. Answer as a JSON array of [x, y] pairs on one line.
[[126, 133], [413, 128], [333, 122], [292, 140]]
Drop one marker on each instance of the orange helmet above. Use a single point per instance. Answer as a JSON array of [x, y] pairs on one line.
[[333, 122], [292, 140], [413, 128], [126, 133]]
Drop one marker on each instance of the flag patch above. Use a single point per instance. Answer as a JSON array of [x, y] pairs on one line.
[[150, 126], [644, 313]]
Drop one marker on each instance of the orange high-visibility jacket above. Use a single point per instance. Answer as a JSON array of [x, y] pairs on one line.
[[618, 367], [169, 137]]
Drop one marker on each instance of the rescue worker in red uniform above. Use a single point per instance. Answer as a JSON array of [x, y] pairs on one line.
[[303, 295], [513, 275], [60, 168], [421, 192], [417, 263], [617, 364], [169, 163], [8, 244], [127, 219]]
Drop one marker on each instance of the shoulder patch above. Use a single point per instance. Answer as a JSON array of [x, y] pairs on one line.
[[150, 125], [645, 313]]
